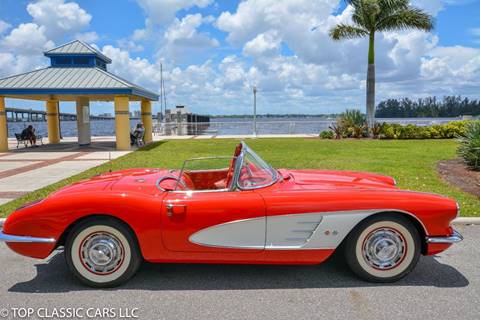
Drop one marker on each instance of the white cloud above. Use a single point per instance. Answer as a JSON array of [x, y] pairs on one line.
[[182, 37], [257, 16], [137, 70], [4, 26], [475, 32], [264, 44], [139, 34], [21, 49], [59, 17], [184, 33], [27, 39], [53, 20], [162, 12], [88, 37]]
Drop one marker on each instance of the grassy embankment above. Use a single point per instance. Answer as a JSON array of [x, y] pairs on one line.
[[411, 162]]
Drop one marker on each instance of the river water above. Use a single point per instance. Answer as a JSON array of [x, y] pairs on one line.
[[223, 126]]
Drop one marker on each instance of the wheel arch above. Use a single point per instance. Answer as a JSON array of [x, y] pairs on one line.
[[63, 238], [417, 223]]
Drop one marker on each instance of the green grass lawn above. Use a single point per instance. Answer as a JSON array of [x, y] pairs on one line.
[[411, 162]]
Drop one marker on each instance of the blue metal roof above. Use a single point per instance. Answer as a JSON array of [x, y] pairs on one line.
[[71, 81], [76, 47]]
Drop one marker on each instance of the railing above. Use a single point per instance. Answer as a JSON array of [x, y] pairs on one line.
[[266, 127]]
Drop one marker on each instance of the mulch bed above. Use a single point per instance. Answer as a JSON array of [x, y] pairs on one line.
[[456, 172]]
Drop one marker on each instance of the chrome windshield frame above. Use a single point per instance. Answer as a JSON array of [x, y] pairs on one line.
[[239, 164]]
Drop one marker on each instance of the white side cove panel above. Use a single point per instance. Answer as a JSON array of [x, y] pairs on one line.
[[291, 231], [242, 234], [322, 230]]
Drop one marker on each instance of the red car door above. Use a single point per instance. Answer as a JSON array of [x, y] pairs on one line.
[[213, 221]]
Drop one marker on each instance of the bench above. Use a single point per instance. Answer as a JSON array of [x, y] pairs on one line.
[[18, 136]]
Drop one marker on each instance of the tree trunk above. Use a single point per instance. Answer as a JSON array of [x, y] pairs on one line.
[[371, 82]]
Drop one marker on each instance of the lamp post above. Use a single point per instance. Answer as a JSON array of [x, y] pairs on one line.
[[254, 111]]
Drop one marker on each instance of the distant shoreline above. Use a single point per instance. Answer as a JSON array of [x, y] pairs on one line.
[[326, 116]]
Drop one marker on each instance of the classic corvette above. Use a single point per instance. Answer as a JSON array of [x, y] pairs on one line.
[[245, 213]]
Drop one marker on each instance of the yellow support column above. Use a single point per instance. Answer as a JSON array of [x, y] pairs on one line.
[[53, 122], [122, 123], [146, 110], [3, 126]]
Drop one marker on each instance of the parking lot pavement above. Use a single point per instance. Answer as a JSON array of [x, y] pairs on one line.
[[446, 286]]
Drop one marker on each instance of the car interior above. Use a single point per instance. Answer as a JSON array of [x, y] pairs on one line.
[[209, 179]]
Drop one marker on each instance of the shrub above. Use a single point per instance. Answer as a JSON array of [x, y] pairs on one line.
[[336, 130], [439, 131], [376, 130], [469, 148], [351, 124], [327, 134], [351, 118]]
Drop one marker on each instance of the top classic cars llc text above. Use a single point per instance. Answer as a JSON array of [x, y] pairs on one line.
[[69, 313]]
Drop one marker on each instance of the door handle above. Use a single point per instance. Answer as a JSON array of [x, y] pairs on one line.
[[175, 209]]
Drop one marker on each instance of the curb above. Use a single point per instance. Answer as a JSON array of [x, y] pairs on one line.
[[467, 220], [460, 221]]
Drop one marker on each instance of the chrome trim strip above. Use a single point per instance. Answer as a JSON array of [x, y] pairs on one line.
[[25, 239], [454, 238]]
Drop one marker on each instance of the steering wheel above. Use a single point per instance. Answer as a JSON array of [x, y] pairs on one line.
[[231, 169], [180, 182]]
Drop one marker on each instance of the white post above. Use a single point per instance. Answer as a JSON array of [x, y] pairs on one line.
[[254, 111], [83, 121]]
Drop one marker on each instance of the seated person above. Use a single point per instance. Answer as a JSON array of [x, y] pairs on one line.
[[29, 134], [137, 134]]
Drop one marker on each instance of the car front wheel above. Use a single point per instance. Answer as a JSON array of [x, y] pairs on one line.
[[102, 253], [383, 249]]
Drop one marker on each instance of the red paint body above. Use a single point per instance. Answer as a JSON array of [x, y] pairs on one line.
[[132, 197]]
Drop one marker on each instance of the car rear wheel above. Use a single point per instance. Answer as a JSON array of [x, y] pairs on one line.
[[102, 253], [383, 249]]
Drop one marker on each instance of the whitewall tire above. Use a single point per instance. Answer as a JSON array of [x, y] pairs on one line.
[[102, 252], [383, 248]]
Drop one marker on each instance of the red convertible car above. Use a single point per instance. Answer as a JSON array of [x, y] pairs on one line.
[[246, 213]]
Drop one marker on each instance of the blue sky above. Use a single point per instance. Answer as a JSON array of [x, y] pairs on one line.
[[214, 51]]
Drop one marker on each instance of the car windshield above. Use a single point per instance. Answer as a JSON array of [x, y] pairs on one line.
[[245, 170], [254, 172]]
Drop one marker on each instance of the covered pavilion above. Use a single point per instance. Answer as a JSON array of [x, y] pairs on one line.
[[77, 72]]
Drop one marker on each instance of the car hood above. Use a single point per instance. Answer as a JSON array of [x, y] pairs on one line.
[[140, 180], [331, 178]]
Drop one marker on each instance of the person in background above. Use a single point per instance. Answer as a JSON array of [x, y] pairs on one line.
[[29, 134], [137, 135]]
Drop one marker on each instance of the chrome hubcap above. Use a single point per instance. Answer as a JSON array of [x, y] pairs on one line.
[[101, 253], [384, 248]]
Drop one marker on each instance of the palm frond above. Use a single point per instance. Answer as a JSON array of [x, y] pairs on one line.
[[365, 13], [344, 31], [390, 7], [411, 18]]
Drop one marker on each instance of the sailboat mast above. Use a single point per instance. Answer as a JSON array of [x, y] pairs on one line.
[[161, 91]]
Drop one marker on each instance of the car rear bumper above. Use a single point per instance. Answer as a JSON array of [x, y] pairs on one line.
[[25, 239], [454, 238]]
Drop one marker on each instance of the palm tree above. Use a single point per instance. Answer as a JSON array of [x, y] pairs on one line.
[[372, 16]]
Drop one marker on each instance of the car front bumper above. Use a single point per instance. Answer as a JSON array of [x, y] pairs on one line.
[[454, 238], [22, 239]]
